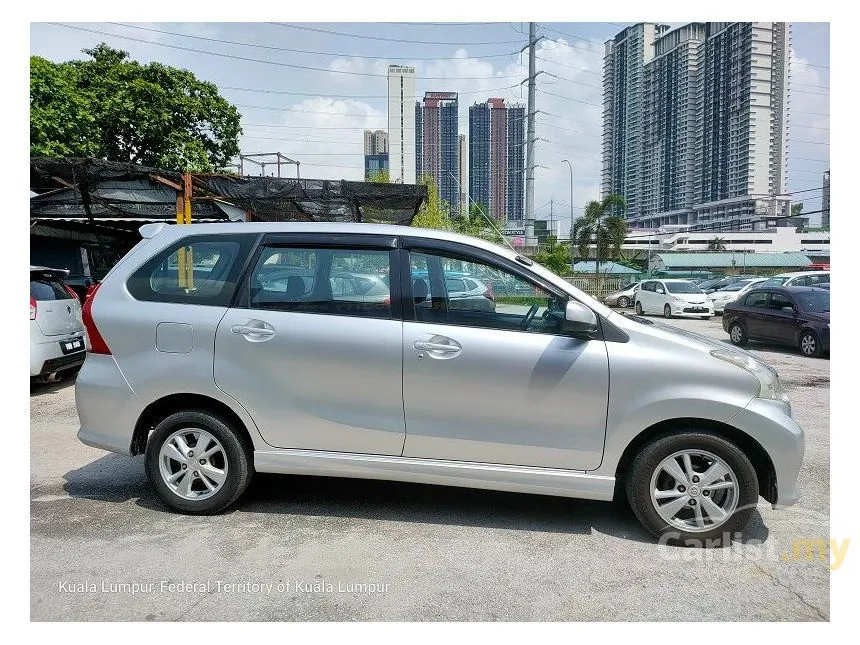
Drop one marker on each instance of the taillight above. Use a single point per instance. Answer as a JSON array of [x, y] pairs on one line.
[[32, 308], [488, 294], [97, 343], [387, 300]]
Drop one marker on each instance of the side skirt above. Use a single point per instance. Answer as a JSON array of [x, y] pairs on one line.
[[518, 479]]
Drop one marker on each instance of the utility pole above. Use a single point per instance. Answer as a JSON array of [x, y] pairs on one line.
[[530, 139], [550, 218], [570, 233]]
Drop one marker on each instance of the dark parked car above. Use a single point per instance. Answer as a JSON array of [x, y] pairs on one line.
[[709, 286], [797, 316]]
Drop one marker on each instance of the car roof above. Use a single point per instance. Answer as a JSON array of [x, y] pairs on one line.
[[794, 274]]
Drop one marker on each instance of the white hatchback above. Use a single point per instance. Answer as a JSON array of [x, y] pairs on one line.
[[672, 298], [57, 341]]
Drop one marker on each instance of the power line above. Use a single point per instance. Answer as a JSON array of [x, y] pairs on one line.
[[348, 96], [574, 36], [393, 40], [263, 61], [278, 109], [794, 61], [568, 98], [286, 49]]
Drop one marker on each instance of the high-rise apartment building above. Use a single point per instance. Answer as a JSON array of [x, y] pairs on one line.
[[695, 123], [375, 152], [401, 123], [437, 138], [825, 200], [461, 175], [496, 161]]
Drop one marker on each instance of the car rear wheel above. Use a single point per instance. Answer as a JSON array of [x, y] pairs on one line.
[[810, 345], [638, 308], [667, 311], [198, 463], [737, 334], [692, 488], [624, 302]]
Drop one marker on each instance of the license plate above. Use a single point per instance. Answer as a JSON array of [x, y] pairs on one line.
[[69, 346]]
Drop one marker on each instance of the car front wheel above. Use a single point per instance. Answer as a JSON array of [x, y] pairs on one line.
[[667, 311], [692, 488], [198, 463], [638, 308], [624, 302]]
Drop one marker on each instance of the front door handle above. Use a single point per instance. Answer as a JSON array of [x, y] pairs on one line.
[[442, 348]]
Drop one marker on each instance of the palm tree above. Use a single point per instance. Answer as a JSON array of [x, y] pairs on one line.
[[717, 244], [599, 224]]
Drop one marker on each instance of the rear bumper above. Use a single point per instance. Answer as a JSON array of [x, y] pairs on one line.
[[107, 407], [782, 438], [46, 356]]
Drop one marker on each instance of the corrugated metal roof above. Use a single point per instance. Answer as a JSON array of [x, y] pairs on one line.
[[605, 267], [725, 260]]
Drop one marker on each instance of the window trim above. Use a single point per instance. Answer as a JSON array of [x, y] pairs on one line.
[[322, 241]]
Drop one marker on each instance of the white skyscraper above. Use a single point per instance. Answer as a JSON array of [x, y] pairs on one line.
[[401, 123]]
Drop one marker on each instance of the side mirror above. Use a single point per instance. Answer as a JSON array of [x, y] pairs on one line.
[[579, 319], [660, 291], [788, 310]]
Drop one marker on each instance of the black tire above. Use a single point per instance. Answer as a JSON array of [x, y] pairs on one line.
[[738, 335], [810, 345], [239, 458], [706, 317], [667, 311], [624, 302], [648, 459], [638, 308]]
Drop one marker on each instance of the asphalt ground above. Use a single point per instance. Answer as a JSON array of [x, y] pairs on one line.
[[103, 547]]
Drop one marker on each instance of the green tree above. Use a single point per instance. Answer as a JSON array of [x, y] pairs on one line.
[[717, 244], [114, 108], [796, 209], [554, 256], [434, 212], [599, 224], [379, 177]]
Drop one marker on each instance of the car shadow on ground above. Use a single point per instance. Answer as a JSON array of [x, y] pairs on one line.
[[39, 387], [118, 479]]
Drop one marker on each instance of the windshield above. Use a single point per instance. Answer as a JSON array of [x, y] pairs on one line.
[[815, 302], [682, 287], [774, 282]]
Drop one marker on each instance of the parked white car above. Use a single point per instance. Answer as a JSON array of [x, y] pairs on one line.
[[57, 341], [798, 279], [672, 298], [732, 292]]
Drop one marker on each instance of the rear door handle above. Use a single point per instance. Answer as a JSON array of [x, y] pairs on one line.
[[246, 330], [427, 346]]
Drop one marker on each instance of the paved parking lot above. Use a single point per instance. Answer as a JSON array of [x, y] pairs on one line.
[[298, 548]]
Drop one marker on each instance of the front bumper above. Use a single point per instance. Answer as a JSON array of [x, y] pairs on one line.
[[770, 424], [683, 310]]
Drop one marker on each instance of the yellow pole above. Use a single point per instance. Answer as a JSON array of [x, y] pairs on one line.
[[180, 256], [189, 258]]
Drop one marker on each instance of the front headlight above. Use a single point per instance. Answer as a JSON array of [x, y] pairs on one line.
[[769, 385]]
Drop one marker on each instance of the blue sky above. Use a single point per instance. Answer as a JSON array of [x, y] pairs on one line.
[[317, 115]]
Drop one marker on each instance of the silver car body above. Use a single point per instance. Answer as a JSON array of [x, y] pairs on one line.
[[732, 292], [353, 397]]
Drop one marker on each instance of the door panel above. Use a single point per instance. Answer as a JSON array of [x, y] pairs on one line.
[[505, 397], [318, 382], [779, 325]]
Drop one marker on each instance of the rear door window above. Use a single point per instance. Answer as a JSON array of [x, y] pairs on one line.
[[756, 299]]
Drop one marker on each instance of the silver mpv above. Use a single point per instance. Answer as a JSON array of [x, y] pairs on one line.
[[221, 350]]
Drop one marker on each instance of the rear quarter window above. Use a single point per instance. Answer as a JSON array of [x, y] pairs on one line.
[[46, 286], [201, 270]]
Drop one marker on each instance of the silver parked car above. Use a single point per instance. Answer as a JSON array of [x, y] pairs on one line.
[[215, 377], [623, 297]]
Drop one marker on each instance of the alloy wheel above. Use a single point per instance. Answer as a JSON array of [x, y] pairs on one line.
[[192, 464], [623, 302], [694, 490], [808, 345], [736, 333]]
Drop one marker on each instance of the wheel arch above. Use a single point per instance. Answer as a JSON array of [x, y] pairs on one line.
[[162, 408], [761, 461]]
